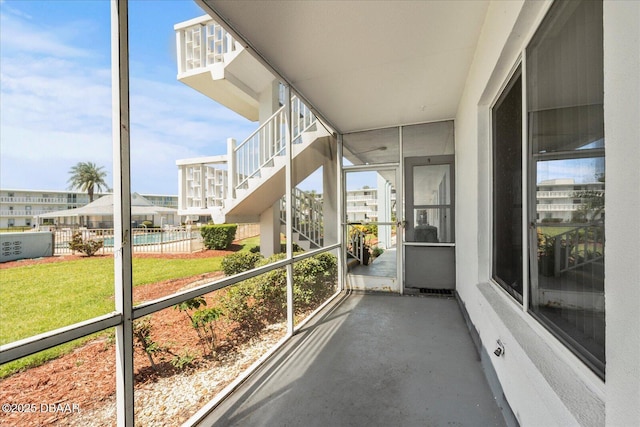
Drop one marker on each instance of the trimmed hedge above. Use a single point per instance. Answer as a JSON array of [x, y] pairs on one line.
[[283, 248], [239, 262], [261, 300], [218, 236]]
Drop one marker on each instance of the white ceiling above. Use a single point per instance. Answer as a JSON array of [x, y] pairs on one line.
[[365, 65]]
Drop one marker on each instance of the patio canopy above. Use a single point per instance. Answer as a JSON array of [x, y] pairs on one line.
[[104, 207]]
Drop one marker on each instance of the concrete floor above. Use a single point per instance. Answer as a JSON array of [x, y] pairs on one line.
[[384, 266], [370, 360]]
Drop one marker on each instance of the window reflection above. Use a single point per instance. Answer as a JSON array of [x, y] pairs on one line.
[[567, 187]]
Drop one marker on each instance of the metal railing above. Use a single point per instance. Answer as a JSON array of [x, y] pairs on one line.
[[578, 247], [259, 149], [307, 216], [268, 142], [356, 244], [144, 240], [559, 207], [555, 194], [48, 200]]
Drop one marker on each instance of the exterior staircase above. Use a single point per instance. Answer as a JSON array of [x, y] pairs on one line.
[[308, 219], [257, 166], [251, 177]]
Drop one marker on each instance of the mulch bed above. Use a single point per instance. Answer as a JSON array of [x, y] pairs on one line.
[[86, 377]]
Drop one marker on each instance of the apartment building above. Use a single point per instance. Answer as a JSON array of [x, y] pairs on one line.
[[19, 207], [564, 200]]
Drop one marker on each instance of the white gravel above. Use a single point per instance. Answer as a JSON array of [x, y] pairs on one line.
[[171, 401]]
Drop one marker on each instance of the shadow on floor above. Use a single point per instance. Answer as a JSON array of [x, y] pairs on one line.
[[370, 360]]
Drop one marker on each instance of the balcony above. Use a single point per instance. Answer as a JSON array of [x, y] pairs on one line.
[[46, 200], [370, 360], [555, 194], [558, 207], [22, 212], [213, 63]]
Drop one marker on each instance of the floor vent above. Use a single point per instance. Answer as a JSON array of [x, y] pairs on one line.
[[437, 292]]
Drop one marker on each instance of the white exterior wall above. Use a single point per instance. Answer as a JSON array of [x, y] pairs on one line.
[[45, 201], [622, 266], [544, 383], [362, 205], [26, 204]]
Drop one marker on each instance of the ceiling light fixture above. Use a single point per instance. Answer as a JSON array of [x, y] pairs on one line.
[[383, 148]]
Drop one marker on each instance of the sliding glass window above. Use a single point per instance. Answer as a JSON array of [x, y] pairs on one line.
[[507, 188], [564, 84]]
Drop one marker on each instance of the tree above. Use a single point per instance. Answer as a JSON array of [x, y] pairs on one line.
[[592, 203], [87, 176]]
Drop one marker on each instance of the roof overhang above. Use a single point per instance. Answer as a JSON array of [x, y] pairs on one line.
[[363, 65]]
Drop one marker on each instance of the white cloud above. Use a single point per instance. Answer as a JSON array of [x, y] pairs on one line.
[[56, 110], [20, 33]]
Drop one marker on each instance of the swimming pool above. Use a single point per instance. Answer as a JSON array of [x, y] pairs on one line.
[[155, 237]]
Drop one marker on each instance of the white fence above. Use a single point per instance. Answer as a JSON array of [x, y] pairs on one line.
[[144, 240], [184, 239]]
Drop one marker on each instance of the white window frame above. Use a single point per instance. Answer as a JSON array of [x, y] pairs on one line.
[[527, 232]]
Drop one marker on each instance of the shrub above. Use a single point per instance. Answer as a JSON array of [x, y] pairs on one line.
[[259, 300], [283, 248], [203, 321], [376, 252], [218, 236], [270, 291], [296, 247], [551, 220], [143, 340], [240, 307], [181, 361], [262, 299], [239, 262], [88, 247], [313, 280], [370, 229]]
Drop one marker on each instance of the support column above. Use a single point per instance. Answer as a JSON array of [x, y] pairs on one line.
[[330, 199], [122, 212], [269, 100], [340, 229], [182, 188], [270, 230], [384, 212], [231, 170], [289, 213]]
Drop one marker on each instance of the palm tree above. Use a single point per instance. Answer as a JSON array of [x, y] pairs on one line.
[[87, 176]]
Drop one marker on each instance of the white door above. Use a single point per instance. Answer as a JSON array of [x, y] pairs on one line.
[[370, 219]]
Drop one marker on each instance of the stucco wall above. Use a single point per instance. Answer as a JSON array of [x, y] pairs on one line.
[[622, 264], [27, 245], [544, 383]]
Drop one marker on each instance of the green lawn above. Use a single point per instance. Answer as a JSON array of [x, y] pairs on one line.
[[249, 243], [43, 297], [554, 230]]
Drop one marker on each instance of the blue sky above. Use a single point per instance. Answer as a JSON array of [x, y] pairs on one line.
[[55, 95]]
